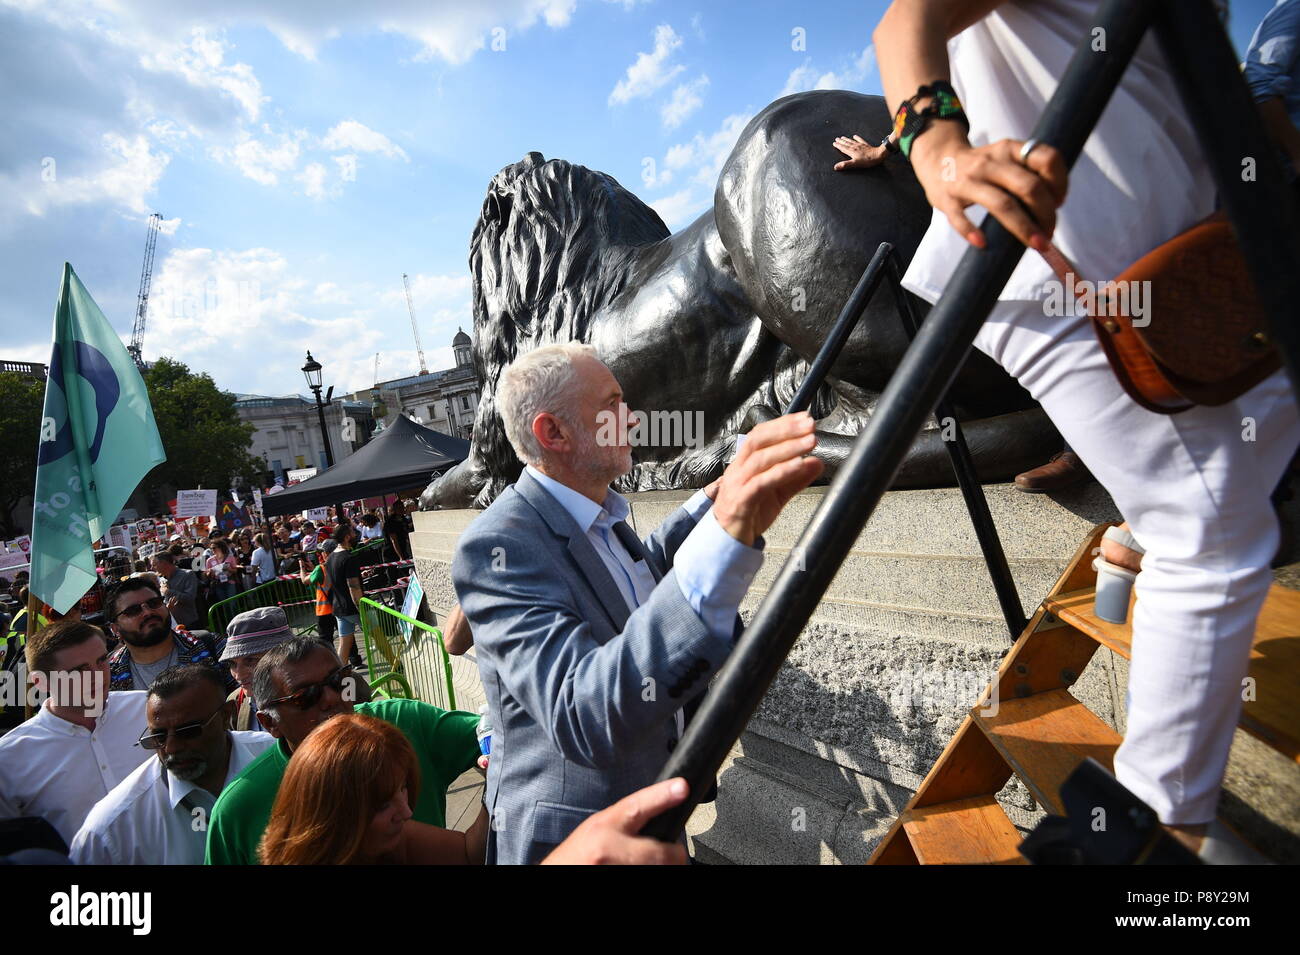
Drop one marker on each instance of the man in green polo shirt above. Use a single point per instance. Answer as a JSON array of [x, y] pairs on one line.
[[306, 684]]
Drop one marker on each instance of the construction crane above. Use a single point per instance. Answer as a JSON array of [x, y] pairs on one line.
[[136, 348], [415, 330]]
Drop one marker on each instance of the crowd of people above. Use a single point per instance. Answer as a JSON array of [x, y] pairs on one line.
[[594, 644]]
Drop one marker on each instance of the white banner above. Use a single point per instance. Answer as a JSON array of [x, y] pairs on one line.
[[16, 552], [196, 503], [317, 514], [257, 498]]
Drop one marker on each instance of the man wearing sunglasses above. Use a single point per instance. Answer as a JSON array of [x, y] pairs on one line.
[[159, 814], [150, 643], [304, 683]]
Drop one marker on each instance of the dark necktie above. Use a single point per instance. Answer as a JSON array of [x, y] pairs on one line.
[[627, 537]]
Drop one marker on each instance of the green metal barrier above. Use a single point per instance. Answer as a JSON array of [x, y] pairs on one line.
[[297, 599], [415, 667]]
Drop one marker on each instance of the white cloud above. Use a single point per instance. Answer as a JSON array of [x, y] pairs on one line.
[[702, 157], [451, 32], [351, 136], [681, 208], [852, 75], [263, 161], [687, 98], [248, 316], [650, 71], [430, 292], [697, 163], [201, 61], [122, 172], [313, 181], [329, 293]]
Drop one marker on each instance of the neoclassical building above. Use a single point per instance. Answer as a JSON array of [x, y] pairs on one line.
[[288, 436], [444, 400]]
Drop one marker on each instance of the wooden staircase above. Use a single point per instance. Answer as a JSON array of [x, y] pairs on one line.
[[1028, 723]]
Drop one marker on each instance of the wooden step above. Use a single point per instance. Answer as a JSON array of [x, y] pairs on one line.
[[1273, 715], [1044, 737], [965, 832]]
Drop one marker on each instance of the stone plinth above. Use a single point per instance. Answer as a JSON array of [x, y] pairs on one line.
[[907, 636]]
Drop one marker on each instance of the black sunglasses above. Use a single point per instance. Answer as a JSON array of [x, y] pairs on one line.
[[188, 731], [308, 696], [134, 610]]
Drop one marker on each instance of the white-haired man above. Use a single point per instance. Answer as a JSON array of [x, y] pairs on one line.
[[590, 642]]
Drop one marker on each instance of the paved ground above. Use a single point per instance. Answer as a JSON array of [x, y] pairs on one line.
[[464, 797]]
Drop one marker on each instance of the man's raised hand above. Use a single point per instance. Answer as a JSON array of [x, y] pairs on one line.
[[769, 469]]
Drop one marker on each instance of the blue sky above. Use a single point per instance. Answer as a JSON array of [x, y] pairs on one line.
[[306, 154]]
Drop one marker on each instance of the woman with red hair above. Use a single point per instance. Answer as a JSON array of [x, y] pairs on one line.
[[345, 800]]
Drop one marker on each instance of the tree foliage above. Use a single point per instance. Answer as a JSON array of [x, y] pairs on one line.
[[21, 403], [206, 443]]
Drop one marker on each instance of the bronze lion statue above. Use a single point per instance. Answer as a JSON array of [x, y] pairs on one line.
[[718, 323]]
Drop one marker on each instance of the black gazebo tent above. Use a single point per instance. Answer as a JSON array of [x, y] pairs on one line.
[[403, 456]]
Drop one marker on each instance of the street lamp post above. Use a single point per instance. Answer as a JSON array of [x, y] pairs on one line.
[[312, 371]]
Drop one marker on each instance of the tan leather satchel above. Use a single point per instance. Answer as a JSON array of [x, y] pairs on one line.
[[1202, 338]]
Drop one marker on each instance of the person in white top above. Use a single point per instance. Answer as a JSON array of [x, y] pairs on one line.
[[1195, 493], [81, 743], [158, 815], [263, 559]]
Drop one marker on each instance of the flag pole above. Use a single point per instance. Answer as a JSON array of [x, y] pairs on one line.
[[32, 603]]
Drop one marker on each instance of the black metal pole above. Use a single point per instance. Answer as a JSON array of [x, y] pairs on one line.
[[963, 465], [840, 331], [923, 376], [324, 432], [1254, 191], [329, 450]]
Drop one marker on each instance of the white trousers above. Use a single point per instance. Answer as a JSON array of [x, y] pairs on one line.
[[1195, 489]]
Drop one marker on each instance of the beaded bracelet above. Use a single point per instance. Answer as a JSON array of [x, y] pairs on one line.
[[910, 122]]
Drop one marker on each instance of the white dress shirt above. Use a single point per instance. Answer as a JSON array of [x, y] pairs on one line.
[[58, 770], [154, 818], [714, 570]]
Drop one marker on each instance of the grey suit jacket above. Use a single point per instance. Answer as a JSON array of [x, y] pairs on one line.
[[582, 693]]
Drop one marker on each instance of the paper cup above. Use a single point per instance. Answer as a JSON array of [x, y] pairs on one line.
[[1114, 587]]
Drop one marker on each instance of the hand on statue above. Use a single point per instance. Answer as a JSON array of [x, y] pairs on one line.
[[769, 469], [955, 175], [862, 155]]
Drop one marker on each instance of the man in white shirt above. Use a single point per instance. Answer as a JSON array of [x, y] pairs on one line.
[[82, 743], [159, 814], [263, 560]]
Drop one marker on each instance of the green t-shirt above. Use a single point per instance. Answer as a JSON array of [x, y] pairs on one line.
[[445, 745]]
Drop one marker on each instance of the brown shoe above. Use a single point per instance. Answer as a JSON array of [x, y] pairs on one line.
[[1062, 471]]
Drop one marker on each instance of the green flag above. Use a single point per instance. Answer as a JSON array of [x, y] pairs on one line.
[[98, 439]]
